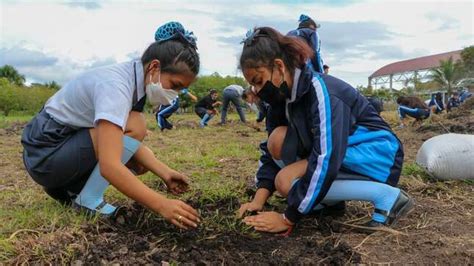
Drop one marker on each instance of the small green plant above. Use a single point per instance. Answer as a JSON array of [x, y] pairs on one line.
[[413, 169]]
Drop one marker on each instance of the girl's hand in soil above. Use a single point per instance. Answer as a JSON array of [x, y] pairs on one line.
[[272, 222], [179, 213], [176, 182], [249, 207]]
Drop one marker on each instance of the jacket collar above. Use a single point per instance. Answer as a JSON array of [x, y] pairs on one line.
[[301, 83]]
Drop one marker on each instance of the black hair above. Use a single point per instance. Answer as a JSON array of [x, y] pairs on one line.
[[246, 92], [307, 24], [267, 44], [325, 66], [411, 101], [212, 91], [172, 54]]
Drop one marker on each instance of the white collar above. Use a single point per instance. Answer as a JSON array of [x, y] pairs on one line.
[[296, 78], [140, 78]]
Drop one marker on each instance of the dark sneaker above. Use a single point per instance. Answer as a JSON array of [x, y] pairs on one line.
[[402, 206]]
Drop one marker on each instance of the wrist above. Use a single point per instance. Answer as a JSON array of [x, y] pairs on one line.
[[167, 174], [159, 203], [286, 221], [258, 205]]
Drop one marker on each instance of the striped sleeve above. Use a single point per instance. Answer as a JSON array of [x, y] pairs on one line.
[[315, 43], [331, 120]]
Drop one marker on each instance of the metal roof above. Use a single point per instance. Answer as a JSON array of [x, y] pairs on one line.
[[425, 62]]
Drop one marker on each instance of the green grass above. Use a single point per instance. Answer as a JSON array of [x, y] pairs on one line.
[[6, 121], [220, 162], [413, 169]]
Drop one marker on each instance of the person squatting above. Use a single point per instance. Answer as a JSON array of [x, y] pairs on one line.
[[326, 143]]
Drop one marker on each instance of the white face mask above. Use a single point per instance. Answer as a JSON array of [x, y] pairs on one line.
[[157, 95]]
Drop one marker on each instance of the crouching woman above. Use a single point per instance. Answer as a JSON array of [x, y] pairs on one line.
[[89, 133], [326, 144]]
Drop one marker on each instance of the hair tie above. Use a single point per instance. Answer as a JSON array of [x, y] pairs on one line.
[[175, 31]]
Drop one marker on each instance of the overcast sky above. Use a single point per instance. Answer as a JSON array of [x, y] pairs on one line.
[[56, 40]]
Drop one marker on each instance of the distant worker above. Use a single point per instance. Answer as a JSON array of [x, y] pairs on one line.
[[464, 95], [164, 112], [232, 93], [436, 103], [307, 29], [206, 107], [252, 99], [326, 69], [412, 106], [453, 102]]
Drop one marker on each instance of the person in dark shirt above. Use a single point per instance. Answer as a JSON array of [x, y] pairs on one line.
[[453, 102], [464, 95], [436, 103], [412, 106], [206, 107]]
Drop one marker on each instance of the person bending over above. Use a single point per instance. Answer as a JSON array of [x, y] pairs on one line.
[[412, 106]]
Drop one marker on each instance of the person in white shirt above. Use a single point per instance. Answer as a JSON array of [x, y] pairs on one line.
[[232, 93], [89, 133]]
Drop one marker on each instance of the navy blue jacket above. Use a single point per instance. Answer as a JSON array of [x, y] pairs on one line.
[[335, 128], [312, 38]]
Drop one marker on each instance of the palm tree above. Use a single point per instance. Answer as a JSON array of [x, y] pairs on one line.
[[446, 74], [12, 75]]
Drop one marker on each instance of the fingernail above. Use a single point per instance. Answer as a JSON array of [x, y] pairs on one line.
[[195, 225]]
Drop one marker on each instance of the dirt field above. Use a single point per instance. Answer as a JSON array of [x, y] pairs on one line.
[[221, 161]]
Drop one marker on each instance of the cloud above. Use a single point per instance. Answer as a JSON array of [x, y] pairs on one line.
[[90, 5], [41, 67], [356, 35], [22, 57], [134, 55], [98, 62], [444, 22], [341, 40]]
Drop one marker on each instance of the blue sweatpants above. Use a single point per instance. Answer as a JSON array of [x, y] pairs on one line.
[[417, 113], [165, 112]]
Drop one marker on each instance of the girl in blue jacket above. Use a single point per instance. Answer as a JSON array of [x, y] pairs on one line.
[[326, 143]]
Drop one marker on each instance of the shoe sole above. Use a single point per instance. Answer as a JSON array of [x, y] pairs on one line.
[[92, 213]]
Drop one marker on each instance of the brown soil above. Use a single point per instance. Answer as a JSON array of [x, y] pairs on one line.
[[437, 231]]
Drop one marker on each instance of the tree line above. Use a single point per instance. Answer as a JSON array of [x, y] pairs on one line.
[[17, 98]]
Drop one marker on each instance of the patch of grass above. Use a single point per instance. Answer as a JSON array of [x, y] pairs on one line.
[[413, 169], [219, 160], [6, 121]]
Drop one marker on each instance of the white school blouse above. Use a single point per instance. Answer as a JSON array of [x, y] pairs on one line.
[[103, 93]]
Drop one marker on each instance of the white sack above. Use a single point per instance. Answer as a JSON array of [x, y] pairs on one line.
[[448, 156]]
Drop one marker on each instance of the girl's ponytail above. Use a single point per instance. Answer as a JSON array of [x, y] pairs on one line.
[[263, 45]]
